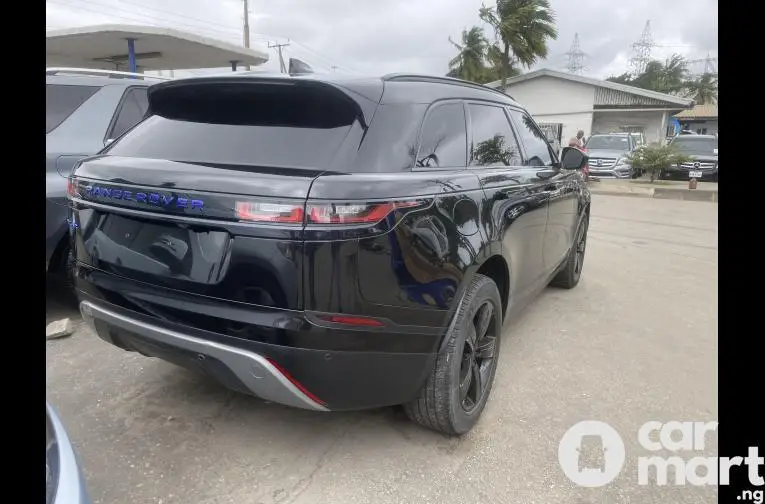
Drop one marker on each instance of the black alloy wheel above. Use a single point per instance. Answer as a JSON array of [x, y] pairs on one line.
[[477, 356]]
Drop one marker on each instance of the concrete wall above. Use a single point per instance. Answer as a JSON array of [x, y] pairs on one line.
[[552, 100], [655, 123]]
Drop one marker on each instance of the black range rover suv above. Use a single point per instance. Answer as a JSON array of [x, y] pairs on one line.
[[328, 244]]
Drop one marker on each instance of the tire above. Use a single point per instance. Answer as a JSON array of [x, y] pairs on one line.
[[65, 276], [450, 402], [568, 277]]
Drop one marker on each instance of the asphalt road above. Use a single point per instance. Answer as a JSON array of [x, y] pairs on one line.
[[635, 341]]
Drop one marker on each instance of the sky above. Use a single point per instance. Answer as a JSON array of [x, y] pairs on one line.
[[376, 37]]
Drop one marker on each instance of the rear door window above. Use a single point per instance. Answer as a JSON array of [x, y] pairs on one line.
[[443, 143], [61, 101], [537, 148], [493, 142], [131, 111]]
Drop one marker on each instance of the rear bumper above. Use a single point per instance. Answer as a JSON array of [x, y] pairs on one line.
[[319, 379], [254, 372]]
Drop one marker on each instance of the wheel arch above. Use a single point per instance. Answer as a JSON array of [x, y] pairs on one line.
[[496, 268]]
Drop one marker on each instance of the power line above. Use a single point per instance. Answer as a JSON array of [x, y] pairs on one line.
[[186, 16], [228, 33], [140, 18]]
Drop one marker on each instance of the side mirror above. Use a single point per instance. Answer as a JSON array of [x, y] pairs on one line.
[[573, 159]]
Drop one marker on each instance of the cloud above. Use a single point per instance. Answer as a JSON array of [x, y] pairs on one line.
[[371, 37]]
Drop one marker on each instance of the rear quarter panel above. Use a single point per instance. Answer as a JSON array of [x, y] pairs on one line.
[[412, 274]]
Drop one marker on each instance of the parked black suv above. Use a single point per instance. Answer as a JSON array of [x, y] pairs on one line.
[[328, 244]]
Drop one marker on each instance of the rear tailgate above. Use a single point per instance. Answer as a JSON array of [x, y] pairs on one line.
[[208, 194]]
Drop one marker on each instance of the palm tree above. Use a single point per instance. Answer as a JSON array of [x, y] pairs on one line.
[[469, 62], [496, 65], [667, 77], [523, 27], [704, 88], [675, 70]]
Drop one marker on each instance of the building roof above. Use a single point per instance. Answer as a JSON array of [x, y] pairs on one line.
[[707, 111], [610, 98], [106, 47]]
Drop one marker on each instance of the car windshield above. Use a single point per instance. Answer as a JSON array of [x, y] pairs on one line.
[[611, 142], [694, 145]]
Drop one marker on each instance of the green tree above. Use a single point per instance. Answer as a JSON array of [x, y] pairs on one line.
[[704, 88], [469, 62], [496, 63], [523, 28], [666, 77], [625, 78], [654, 159]]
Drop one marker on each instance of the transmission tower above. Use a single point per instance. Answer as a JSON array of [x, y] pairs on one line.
[[575, 57], [709, 64], [642, 50]]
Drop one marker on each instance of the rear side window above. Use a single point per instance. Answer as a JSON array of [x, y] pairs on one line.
[[444, 138], [277, 126], [493, 141], [131, 111], [537, 149], [61, 101]]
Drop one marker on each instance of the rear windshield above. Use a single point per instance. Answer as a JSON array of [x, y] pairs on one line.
[[263, 126], [699, 146], [61, 101], [608, 143]]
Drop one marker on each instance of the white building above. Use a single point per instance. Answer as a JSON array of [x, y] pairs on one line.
[[570, 102]]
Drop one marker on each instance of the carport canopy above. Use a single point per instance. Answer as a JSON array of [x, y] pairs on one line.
[[137, 48]]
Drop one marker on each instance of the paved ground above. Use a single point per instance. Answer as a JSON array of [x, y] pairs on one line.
[[636, 341]]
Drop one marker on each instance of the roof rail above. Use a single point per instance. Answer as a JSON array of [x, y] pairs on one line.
[[98, 72], [438, 78]]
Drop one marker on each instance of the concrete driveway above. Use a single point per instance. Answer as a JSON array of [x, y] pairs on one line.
[[636, 341]]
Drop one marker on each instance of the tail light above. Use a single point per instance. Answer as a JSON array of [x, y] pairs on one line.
[[350, 213], [270, 212], [71, 188], [352, 320], [323, 214]]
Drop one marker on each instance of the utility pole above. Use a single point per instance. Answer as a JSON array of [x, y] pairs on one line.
[[278, 47], [246, 33]]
